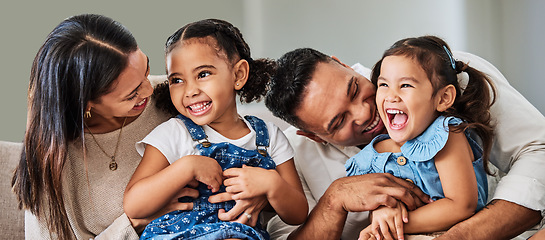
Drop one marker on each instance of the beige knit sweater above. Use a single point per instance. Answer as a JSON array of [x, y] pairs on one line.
[[93, 194]]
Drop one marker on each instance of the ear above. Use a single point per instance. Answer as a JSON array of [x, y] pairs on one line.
[[445, 98], [311, 136], [241, 70], [337, 59]]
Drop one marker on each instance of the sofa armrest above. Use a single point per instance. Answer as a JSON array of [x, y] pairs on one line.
[[11, 218]]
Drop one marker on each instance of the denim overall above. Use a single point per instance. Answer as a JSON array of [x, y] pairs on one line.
[[202, 222]]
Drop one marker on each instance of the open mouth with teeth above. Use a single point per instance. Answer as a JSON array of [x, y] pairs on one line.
[[199, 108], [397, 118], [141, 104]]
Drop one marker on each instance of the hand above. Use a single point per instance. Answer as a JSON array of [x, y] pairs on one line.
[[206, 170], [140, 223], [249, 182], [252, 206], [369, 191], [387, 222]]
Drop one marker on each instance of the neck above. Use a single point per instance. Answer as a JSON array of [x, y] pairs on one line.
[[232, 128], [97, 124]]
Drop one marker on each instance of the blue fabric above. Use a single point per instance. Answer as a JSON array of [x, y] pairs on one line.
[[202, 222], [420, 166]]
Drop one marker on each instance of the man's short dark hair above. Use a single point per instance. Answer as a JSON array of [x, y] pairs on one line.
[[287, 87]]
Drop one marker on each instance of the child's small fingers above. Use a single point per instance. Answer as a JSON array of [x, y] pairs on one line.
[[385, 231], [404, 214], [399, 228]]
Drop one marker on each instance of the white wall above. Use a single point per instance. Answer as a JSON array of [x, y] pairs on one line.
[[507, 33]]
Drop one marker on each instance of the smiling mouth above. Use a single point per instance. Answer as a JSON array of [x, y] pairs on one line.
[[397, 118], [199, 107], [374, 123], [141, 102]]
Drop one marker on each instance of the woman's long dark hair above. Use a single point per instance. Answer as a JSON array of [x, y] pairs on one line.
[[472, 104], [229, 40], [78, 62]]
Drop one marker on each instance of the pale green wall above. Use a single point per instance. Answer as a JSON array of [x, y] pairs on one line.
[[507, 33]]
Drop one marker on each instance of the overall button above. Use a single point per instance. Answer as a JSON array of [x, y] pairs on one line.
[[401, 160]]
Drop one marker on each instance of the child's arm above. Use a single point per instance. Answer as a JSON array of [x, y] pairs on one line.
[[155, 183], [455, 168], [282, 188]]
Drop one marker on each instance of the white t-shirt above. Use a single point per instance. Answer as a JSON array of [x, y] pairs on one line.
[[173, 140]]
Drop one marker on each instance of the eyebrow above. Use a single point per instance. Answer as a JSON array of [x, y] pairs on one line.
[[348, 88], [194, 70]]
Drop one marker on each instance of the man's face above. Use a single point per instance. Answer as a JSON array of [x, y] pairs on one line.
[[339, 106]]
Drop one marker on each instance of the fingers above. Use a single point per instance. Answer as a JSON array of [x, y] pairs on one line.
[[231, 172], [213, 182], [233, 213], [220, 197], [414, 190]]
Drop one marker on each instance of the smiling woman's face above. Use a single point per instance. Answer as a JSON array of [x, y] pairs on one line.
[[339, 106], [130, 92]]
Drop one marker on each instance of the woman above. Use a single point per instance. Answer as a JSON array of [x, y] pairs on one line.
[[86, 109]]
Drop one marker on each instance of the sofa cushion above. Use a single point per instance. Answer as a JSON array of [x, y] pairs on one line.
[[11, 218]]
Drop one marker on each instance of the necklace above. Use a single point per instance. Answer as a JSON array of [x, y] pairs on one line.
[[113, 163]]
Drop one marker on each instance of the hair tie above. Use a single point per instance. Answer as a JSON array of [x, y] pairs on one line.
[[452, 62]]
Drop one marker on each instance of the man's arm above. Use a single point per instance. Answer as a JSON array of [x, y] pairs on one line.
[[500, 219], [356, 194]]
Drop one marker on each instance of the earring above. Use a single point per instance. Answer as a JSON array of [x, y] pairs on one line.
[[87, 114], [237, 84]]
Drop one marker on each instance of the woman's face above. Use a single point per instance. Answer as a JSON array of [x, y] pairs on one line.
[[130, 91]]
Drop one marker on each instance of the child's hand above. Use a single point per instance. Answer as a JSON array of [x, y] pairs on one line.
[[248, 182], [387, 222], [206, 170], [252, 206]]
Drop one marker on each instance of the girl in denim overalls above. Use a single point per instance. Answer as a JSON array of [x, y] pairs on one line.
[[433, 132], [241, 158]]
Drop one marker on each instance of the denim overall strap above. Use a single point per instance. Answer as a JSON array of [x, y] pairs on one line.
[[196, 131], [261, 133]]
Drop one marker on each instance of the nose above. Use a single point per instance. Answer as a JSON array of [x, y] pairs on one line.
[[392, 96], [361, 113], [147, 89], [191, 89]]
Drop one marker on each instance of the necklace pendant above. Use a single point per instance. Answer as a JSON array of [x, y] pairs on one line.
[[113, 165]]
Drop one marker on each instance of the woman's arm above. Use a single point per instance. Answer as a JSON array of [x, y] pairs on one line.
[[455, 168], [155, 183]]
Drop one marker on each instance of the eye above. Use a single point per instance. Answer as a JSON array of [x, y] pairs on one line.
[[133, 96], [204, 74], [356, 90], [176, 80], [339, 123], [380, 84], [406, 85]]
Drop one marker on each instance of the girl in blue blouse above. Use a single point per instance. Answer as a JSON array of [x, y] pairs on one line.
[[434, 130]]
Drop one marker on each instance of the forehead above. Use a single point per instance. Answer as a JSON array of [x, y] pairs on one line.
[[195, 53], [324, 96]]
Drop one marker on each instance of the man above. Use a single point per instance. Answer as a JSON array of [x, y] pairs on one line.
[[334, 105]]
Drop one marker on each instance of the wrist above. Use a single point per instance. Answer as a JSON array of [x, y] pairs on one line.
[[333, 199]]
